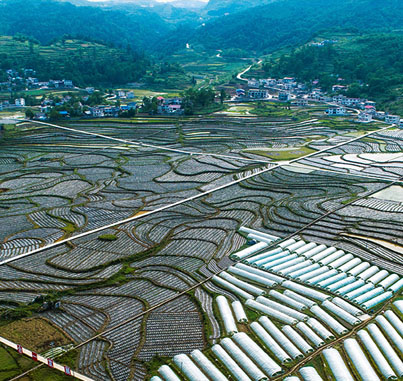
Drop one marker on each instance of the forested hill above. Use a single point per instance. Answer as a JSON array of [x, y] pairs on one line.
[[84, 62], [47, 20], [292, 22]]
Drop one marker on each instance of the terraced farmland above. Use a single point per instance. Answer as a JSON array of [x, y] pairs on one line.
[[137, 241]]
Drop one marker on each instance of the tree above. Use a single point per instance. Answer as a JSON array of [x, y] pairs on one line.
[[223, 95], [29, 114]]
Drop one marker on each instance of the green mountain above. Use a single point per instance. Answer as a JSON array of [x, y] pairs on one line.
[[47, 20], [291, 22]]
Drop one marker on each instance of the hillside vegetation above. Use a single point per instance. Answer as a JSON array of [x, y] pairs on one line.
[[292, 22], [86, 63]]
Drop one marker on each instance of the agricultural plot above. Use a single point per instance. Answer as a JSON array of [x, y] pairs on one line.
[[146, 290]]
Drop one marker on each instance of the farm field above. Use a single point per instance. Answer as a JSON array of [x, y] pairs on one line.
[[136, 230]]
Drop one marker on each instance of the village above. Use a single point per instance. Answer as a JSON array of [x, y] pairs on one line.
[[64, 100]]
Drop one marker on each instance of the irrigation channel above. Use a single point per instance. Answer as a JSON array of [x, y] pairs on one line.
[[200, 195]]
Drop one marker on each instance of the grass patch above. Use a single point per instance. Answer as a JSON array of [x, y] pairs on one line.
[[35, 334], [108, 237], [290, 154]]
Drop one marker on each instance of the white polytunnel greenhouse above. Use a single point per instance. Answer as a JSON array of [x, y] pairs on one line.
[[284, 266], [341, 313], [299, 298], [241, 284], [260, 238], [368, 295], [315, 272], [395, 321], [388, 281], [368, 273], [292, 378], [270, 343], [377, 356], [360, 362], [324, 276], [347, 306], [249, 250], [279, 261], [296, 267], [287, 243], [306, 291], [378, 277], [243, 360], [229, 363], [371, 303], [168, 374], [284, 309], [188, 368], [258, 355], [281, 339], [305, 248], [349, 265], [309, 373], [207, 366], [247, 230], [340, 262], [332, 257], [399, 305], [323, 254], [226, 315], [396, 287], [156, 378], [359, 269], [383, 344], [265, 254], [239, 312], [297, 339], [296, 245], [230, 287], [304, 270], [248, 275], [390, 332], [337, 365], [310, 334], [329, 320], [360, 291], [262, 273], [310, 253], [280, 316], [333, 279], [287, 300], [320, 329], [350, 287], [271, 259], [341, 283]]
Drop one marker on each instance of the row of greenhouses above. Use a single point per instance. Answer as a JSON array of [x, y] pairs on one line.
[[322, 267]]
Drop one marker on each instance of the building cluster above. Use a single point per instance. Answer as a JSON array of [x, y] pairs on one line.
[[288, 89], [26, 79]]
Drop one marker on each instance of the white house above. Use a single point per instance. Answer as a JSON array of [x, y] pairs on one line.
[[20, 102], [336, 111], [257, 94], [392, 119], [284, 96], [364, 117]]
